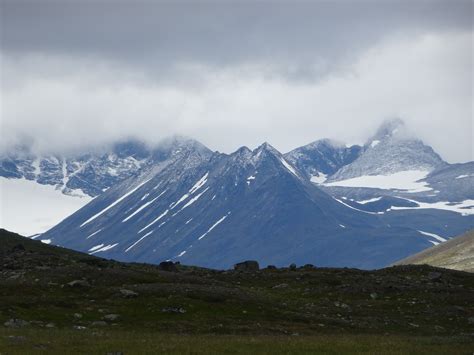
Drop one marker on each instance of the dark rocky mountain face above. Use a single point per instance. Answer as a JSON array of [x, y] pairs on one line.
[[322, 158]]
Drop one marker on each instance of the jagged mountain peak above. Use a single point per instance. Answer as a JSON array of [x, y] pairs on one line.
[[267, 147], [178, 143], [326, 142], [390, 128], [322, 157], [391, 150]]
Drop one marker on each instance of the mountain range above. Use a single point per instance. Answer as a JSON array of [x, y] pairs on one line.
[[324, 203]]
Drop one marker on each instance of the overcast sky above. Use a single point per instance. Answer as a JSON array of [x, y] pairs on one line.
[[232, 73]]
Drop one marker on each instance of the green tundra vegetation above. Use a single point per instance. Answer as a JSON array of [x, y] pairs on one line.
[[57, 301]]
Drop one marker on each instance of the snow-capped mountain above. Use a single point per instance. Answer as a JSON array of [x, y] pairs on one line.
[[322, 158], [217, 209], [390, 151], [40, 191], [396, 171], [92, 172]]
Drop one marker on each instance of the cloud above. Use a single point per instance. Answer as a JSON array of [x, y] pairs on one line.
[[236, 75]]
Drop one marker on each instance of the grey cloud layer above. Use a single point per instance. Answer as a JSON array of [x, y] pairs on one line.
[[231, 73], [157, 35]]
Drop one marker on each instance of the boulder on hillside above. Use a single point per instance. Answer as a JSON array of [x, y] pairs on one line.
[[249, 265], [168, 266]]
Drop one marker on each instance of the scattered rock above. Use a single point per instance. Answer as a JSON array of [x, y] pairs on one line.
[[79, 283], [17, 338], [16, 323], [111, 317], [50, 325], [115, 353], [128, 293], [249, 265], [79, 327], [77, 315], [341, 305], [374, 296], [99, 323], [470, 320], [168, 266], [280, 286], [433, 276], [173, 310]]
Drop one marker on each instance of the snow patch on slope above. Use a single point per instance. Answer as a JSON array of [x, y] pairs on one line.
[[214, 226], [407, 181], [289, 167], [464, 208], [319, 179], [435, 236]]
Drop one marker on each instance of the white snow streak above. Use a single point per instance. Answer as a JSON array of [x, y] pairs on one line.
[[154, 221], [115, 203], [194, 199], [214, 226], [142, 207], [363, 202], [96, 247], [435, 236], [174, 204], [91, 235], [138, 241], [107, 247], [345, 204], [46, 241], [199, 184], [289, 167]]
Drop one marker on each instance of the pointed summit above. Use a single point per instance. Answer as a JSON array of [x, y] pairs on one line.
[[391, 150], [390, 128]]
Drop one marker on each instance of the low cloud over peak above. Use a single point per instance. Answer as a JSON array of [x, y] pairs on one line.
[[77, 75]]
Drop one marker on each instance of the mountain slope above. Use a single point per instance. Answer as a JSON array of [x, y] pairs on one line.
[[222, 208], [39, 192], [456, 254]]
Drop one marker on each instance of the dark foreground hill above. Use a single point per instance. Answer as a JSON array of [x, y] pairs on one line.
[[53, 300]]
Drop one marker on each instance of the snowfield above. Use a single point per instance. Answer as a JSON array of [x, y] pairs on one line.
[[404, 180], [27, 207]]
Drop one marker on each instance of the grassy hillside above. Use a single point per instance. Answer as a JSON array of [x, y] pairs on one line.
[[456, 254], [57, 301]]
